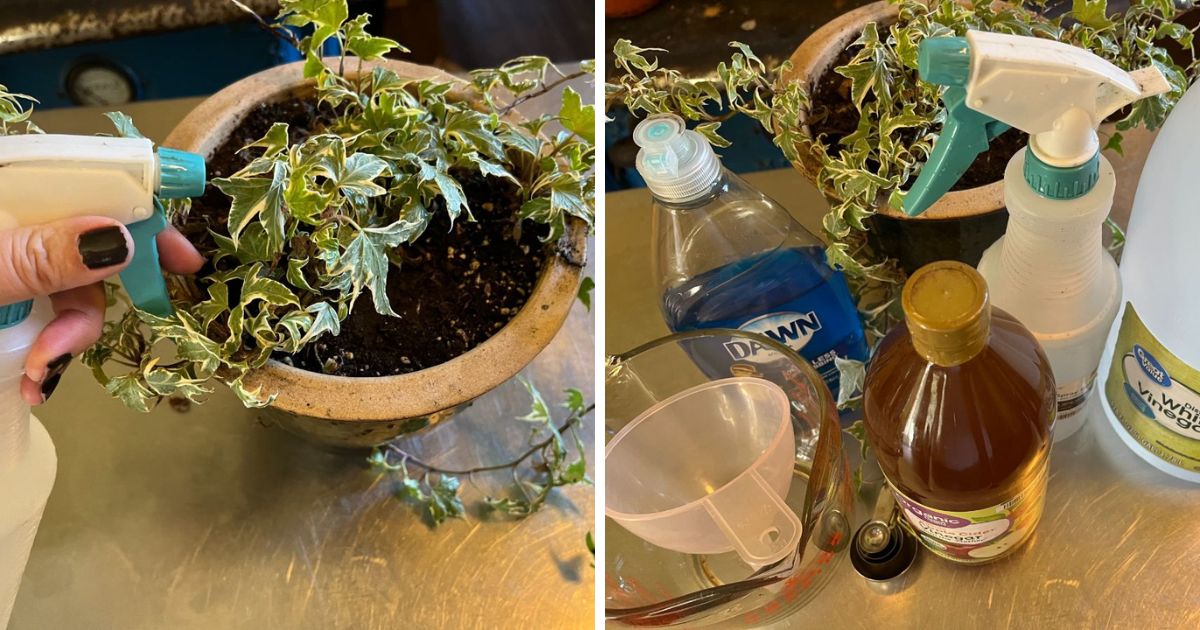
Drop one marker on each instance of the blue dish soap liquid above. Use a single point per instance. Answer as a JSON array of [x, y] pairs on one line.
[[728, 256]]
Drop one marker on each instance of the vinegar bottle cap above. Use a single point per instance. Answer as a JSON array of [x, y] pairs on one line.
[[678, 164], [947, 311]]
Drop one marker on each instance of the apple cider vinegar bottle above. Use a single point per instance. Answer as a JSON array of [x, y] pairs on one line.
[[958, 402]]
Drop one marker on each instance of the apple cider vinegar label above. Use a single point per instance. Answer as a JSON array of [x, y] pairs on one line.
[[978, 535], [1154, 395]]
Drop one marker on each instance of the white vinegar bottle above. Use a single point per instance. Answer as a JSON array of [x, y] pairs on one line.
[[28, 462], [1151, 366]]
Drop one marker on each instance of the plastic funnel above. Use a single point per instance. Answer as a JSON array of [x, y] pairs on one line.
[[706, 471]]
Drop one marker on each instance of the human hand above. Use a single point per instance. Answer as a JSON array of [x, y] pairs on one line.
[[68, 260]]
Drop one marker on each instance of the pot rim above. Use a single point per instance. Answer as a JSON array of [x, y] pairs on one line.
[[443, 386], [813, 58]]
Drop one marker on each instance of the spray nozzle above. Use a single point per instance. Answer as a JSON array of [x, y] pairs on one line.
[[50, 177], [1056, 93], [678, 164]]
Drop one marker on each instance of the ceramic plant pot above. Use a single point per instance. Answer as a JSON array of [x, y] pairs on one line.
[[367, 411], [963, 223], [627, 8]]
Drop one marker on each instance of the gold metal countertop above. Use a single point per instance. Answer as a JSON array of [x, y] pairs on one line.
[[1117, 547]]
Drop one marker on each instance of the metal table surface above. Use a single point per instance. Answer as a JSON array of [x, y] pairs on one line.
[[206, 519], [1117, 547]]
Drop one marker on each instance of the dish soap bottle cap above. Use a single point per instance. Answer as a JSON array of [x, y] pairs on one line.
[[14, 314], [947, 311], [678, 164]]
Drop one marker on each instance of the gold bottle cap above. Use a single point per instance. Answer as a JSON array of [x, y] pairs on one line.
[[947, 311]]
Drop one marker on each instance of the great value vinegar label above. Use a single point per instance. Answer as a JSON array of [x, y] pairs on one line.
[[1155, 395]]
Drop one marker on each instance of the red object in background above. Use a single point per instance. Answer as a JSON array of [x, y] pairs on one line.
[[627, 8]]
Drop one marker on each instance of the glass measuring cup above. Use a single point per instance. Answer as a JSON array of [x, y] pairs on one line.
[[648, 585], [705, 471]]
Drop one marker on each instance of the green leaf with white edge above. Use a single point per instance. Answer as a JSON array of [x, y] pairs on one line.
[[576, 117], [129, 390], [251, 398], [575, 402], [124, 125], [1091, 13], [274, 142], [492, 169], [444, 500], [851, 375], [295, 274], [325, 320], [362, 44], [709, 131], [451, 191], [272, 292], [364, 264], [539, 411], [252, 197]]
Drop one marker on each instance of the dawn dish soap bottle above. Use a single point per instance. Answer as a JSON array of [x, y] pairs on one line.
[[727, 256]]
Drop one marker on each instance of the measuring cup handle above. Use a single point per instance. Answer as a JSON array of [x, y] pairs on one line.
[[755, 520]]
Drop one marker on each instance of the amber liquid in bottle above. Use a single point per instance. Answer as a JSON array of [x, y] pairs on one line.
[[958, 404]]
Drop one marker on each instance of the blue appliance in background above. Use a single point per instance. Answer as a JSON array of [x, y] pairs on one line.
[[154, 64]]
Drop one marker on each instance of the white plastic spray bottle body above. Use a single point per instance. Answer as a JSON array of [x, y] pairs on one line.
[[1050, 269], [44, 178], [28, 462]]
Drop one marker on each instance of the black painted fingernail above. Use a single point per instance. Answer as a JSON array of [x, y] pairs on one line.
[[54, 372], [103, 247]]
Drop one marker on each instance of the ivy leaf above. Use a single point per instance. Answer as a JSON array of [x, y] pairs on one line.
[[1091, 13], [274, 142], [539, 412], [254, 196], [123, 123], [709, 131], [444, 501], [449, 188], [365, 264], [252, 399], [576, 117], [295, 274], [851, 375], [325, 320], [362, 44], [492, 169], [575, 402], [270, 291], [129, 390]]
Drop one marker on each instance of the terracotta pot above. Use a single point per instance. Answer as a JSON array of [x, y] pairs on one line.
[[362, 412], [963, 223], [627, 8]]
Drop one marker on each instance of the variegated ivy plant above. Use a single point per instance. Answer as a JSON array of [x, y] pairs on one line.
[[314, 224], [899, 116]]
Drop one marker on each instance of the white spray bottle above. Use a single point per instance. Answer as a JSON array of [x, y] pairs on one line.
[[49, 177], [1050, 269]]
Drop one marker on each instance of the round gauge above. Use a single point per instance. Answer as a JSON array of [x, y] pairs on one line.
[[99, 84]]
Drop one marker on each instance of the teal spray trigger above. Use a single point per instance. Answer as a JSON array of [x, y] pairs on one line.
[[48, 177], [1057, 93]]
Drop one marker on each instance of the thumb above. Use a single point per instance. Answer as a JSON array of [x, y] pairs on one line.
[[60, 255]]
